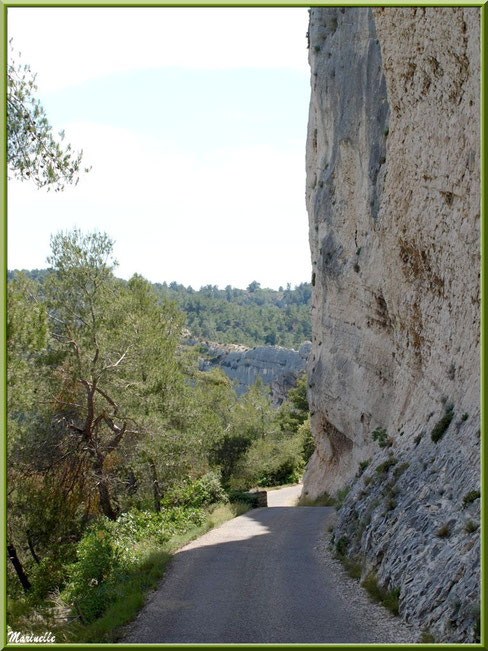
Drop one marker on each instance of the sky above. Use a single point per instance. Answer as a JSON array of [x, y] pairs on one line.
[[194, 124]]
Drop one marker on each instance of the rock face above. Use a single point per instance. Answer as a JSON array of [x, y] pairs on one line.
[[393, 179], [278, 367]]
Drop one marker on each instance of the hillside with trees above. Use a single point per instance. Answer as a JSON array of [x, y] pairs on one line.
[[117, 444], [254, 316]]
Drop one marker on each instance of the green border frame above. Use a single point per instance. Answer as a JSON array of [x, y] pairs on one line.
[[4, 5]]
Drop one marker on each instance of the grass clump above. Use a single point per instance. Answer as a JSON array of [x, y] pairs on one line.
[[362, 467], [352, 566], [427, 637], [341, 545], [470, 497], [441, 427], [470, 526], [384, 467], [388, 598], [464, 417], [399, 470], [443, 532]]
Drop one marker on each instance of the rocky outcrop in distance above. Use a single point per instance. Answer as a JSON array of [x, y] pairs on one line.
[[278, 367], [393, 197]]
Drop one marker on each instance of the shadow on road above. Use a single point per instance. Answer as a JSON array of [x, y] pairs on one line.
[[255, 579]]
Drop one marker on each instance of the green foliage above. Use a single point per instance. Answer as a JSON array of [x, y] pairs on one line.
[[112, 416], [308, 441], [380, 435], [464, 417], [253, 318], [470, 526], [470, 497], [399, 470], [341, 545], [196, 493], [341, 496], [389, 598], [352, 566], [384, 467], [441, 427], [33, 152], [427, 637], [271, 461], [443, 532], [362, 467], [322, 500]]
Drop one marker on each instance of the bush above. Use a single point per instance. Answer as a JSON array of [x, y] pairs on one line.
[[197, 492], [389, 598], [341, 545], [470, 497], [440, 429], [362, 467], [443, 532], [272, 461], [386, 465], [380, 435]]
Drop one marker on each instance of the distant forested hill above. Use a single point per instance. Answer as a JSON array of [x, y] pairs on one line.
[[253, 316]]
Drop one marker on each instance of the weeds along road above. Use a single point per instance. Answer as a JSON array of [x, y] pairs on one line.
[[255, 579]]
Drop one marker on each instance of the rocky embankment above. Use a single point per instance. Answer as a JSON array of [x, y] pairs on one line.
[[278, 367], [393, 180]]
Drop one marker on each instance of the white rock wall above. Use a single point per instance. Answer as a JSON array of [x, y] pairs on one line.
[[393, 196]]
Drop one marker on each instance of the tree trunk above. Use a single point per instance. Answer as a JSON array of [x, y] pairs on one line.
[[105, 503], [12, 554], [31, 548], [155, 485]]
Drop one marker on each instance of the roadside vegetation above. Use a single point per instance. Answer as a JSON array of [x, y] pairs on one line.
[[119, 448]]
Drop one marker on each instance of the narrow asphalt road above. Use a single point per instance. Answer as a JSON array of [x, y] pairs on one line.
[[255, 579]]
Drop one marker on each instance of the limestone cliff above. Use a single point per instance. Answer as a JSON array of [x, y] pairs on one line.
[[277, 367], [393, 196]]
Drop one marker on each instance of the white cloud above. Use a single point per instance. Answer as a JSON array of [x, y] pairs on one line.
[[69, 45]]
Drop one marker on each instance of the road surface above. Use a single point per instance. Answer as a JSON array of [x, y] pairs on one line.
[[256, 579]]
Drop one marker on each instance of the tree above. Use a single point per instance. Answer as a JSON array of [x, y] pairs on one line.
[[113, 345], [33, 152], [252, 287]]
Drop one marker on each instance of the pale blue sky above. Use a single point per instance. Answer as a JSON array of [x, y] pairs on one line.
[[194, 122]]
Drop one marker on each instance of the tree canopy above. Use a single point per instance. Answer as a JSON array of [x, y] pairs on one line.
[[33, 152]]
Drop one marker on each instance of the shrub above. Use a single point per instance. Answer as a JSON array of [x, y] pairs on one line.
[[370, 584], [341, 545], [380, 435], [389, 598], [362, 467], [386, 465], [352, 566], [427, 637], [440, 429], [464, 417], [341, 496], [470, 526], [272, 461], [443, 532], [399, 470], [470, 497]]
